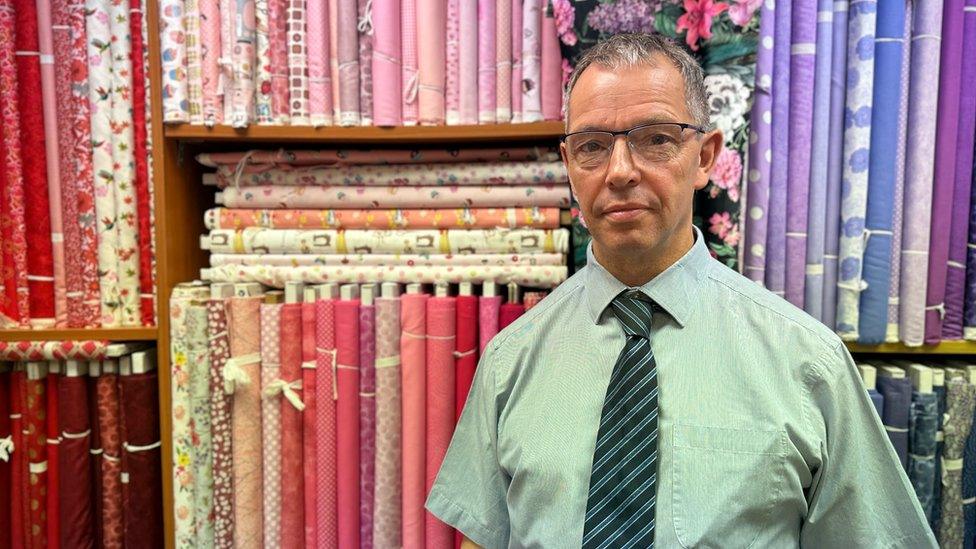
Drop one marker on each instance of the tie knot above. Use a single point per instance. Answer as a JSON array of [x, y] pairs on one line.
[[634, 310]]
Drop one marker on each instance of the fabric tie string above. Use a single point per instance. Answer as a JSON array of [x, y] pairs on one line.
[[6, 447], [287, 389], [75, 436], [387, 362], [234, 372], [411, 88], [37, 468], [365, 24], [459, 354], [131, 448]]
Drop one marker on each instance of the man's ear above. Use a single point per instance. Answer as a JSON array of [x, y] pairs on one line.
[[711, 146]]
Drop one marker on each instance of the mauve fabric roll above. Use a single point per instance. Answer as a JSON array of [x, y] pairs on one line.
[[897, 394], [143, 461], [919, 165], [75, 461], [509, 313], [6, 438], [441, 390], [489, 308], [775, 278], [110, 434], [319, 69], [387, 66], [325, 425], [431, 24], [452, 99], [347, 419], [413, 353], [309, 423], [348, 58], [487, 70], [271, 423], [943, 182], [292, 480], [503, 62], [969, 309], [278, 40], [387, 523], [516, 61], [468, 43], [365, 13], [408, 36], [952, 328], [551, 80], [531, 59], [367, 421], [466, 349]]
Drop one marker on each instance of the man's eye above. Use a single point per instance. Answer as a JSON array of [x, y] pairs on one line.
[[590, 147]]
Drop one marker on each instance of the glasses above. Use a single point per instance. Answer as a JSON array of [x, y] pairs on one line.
[[653, 143]]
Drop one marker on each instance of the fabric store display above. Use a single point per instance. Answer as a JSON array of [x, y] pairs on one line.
[[468, 67], [489, 309], [452, 76], [53, 350], [6, 441], [775, 279], [409, 76], [365, 28], [478, 218], [487, 68], [431, 34], [76, 517], [110, 474]]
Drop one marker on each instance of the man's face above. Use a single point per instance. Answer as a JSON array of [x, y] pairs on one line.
[[631, 205]]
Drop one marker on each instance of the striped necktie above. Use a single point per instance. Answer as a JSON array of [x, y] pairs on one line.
[[620, 506]]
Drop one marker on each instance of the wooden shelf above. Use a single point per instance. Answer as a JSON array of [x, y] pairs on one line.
[[112, 334], [370, 134], [944, 348]]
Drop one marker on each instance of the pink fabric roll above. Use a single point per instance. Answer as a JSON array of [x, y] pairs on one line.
[[292, 480], [466, 355], [319, 69], [387, 69], [468, 62], [410, 81], [487, 68], [271, 423], [348, 58], [278, 39], [453, 74], [413, 355], [244, 322], [365, 13], [431, 22], [488, 310], [531, 60], [387, 524], [516, 61], [226, 85], [441, 390], [503, 62], [297, 63], [325, 425], [347, 420], [552, 71], [310, 422], [334, 56], [213, 107], [367, 421]]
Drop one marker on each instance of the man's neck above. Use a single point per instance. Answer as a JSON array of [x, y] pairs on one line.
[[638, 267]]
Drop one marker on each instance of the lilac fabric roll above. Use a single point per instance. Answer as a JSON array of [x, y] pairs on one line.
[[531, 60], [756, 221], [920, 153], [365, 11], [319, 71], [348, 57], [387, 69], [431, 22], [453, 74], [486, 61], [367, 421], [468, 62], [551, 71], [946, 149], [776, 229], [516, 61], [958, 235], [835, 154], [969, 312], [408, 35]]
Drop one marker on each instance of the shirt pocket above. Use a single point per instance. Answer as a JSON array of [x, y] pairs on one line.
[[725, 483]]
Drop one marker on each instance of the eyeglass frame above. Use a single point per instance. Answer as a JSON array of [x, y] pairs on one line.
[[626, 133]]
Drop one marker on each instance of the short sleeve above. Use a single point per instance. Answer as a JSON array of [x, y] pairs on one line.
[[861, 495], [469, 493]]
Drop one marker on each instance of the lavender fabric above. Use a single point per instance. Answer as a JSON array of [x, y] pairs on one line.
[[969, 313], [776, 230]]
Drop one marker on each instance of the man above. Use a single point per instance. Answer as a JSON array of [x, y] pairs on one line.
[[657, 397]]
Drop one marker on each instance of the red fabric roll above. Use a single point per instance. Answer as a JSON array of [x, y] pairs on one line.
[[110, 435], [142, 165], [19, 461], [95, 461], [413, 353], [508, 314], [40, 267], [74, 461], [467, 349], [35, 447], [347, 421], [309, 419], [292, 471], [5, 464], [327, 528], [441, 390], [53, 464], [144, 503]]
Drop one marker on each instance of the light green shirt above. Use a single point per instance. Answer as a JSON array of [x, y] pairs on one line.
[[767, 435]]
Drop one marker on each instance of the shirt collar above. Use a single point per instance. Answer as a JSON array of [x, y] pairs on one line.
[[674, 290]]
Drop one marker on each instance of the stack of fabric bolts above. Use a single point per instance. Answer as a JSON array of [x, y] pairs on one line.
[[365, 62]]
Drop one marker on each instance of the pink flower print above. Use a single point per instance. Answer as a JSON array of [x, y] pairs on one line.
[[720, 224], [567, 71], [741, 11], [697, 20], [727, 173], [565, 14]]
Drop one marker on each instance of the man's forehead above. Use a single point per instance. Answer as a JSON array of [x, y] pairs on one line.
[[629, 96]]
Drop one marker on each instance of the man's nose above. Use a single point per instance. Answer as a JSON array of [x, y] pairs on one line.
[[622, 170]]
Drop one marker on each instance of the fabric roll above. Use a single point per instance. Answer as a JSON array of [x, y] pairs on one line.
[[319, 71], [387, 65], [503, 62], [76, 516], [346, 197], [53, 350], [960, 400], [838, 96], [516, 80], [489, 308], [756, 222], [466, 350], [143, 166], [897, 394], [192, 27], [143, 462], [876, 269], [413, 353], [775, 278], [410, 74], [441, 391], [509, 313], [878, 400], [898, 204], [221, 424], [40, 268], [213, 107], [243, 33], [536, 277], [952, 327], [334, 57], [857, 143], [969, 309], [95, 463], [923, 425], [297, 63], [243, 324], [348, 58], [387, 522], [388, 260], [431, 22], [347, 420], [919, 166], [551, 70], [531, 60], [271, 424], [198, 454], [310, 418], [944, 180], [468, 66], [969, 490], [34, 474], [819, 138], [52, 447], [226, 83], [172, 41], [292, 479], [482, 218], [940, 391], [487, 68], [365, 27], [263, 83], [6, 468], [346, 157], [18, 465], [325, 425], [110, 435], [452, 75], [367, 421], [278, 54]]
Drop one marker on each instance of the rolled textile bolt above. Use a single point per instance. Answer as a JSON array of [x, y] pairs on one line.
[[349, 291], [415, 288], [221, 290], [465, 288], [75, 368], [513, 293], [293, 292], [311, 294], [390, 290], [367, 294], [441, 289], [488, 289], [328, 291]]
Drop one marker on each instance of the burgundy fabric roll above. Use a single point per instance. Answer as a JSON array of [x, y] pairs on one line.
[[142, 465], [110, 434], [467, 349], [75, 488], [292, 475], [5, 465], [18, 465], [347, 420], [509, 313], [53, 465], [95, 461], [441, 322]]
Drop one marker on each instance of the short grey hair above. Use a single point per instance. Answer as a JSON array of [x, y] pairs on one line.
[[631, 49]]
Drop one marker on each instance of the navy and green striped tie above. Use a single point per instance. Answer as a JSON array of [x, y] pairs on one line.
[[620, 506]]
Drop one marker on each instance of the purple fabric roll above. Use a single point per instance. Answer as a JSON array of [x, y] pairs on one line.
[[776, 230], [943, 189], [969, 313], [956, 275], [367, 421]]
